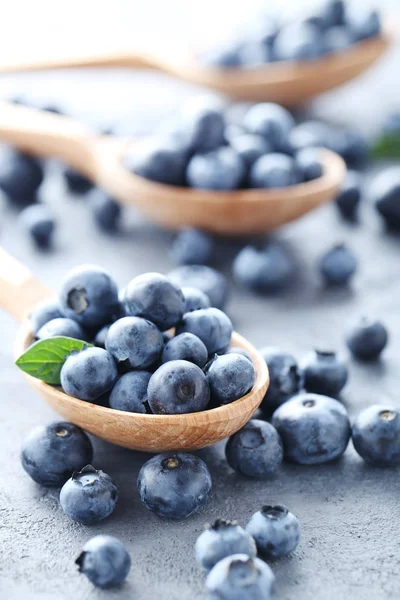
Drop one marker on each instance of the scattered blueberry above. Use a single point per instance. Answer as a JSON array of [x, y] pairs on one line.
[[174, 485], [211, 325], [285, 377], [20, 176], [376, 435], [76, 182], [194, 299], [349, 196], [231, 376], [88, 374], [178, 387], [276, 531], [324, 373], [106, 211], [89, 496], [130, 392], [221, 539], [185, 346], [274, 171], [45, 311], [61, 326], [270, 121], [338, 265], [208, 280], [385, 192], [158, 159], [51, 453], [366, 339], [250, 147], [220, 169], [135, 343], [265, 269], [308, 164], [314, 429], [192, 247], [105, 561], [38, 221], [155, 297], [255, 450], [238, 577], [89, 295]]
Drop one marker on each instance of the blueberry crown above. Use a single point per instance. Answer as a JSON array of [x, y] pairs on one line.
[[85, 470], [274, 512], [221, 524]]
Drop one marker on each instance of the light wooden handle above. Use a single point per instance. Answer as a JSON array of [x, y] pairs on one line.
[[49, 135], [20, 291]]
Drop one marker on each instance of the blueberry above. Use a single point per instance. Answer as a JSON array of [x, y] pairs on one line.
[[324, 373], [285, 377], [385, 192], [220, 169], [352, 146], [194, 299], [314, 429], [240, 577], [38, 222], [308, 164], [211, 325], [185, 346], [309, 134], [263, 29], [337, 39], [363, 22], [253, 53], [338, 265], [221, 539], [225, 56], [250, 147], [88, 374], [89, 296], [45, 311], [158, 159], [273, 171], [266, 269], [276, 531], [101, 336], [255, 450], [105, 561], [61, 326], [20, 176], [155, 297], [333, 12], [236, 350], [208, 280], [51, 453], [178, 387], [192, 247], [299, 41], [349, 196], [174, 485], [366, 339], [206, 124], [134, 342], [76, 182], [376, 435], [106, 211], [89, 496], [231, 376], [130, 392], [270, 121]]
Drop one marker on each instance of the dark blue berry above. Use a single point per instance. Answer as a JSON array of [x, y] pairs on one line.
[[337, 39], [250, 147], [158, 159], [253, 53], [333, 13], [89, 295], [324, 373], [178, 387], [285, 377], [314, 429], [349, 196], [363, 23], [208, 280], [276, 531], [89, 496], [211, 325], [130, 392], [266, 269], [352, 146], [105, 561], [385, 192], [366, 339], [271, 121], [273, 171], [88, 374], [194, 299], [174, 485], [220, 169], [338, 265], [61, 327], [51, 453], [76, 182], [223, 56], [221, 539], [308, 164], [20, 176], [255, 450], [106, 211], [154, 297], [185, 346], [238, 577], [376, 435], [231, 376], [206, 124], [38, 222], [192, 247], [101, 336], [135, 343], [43, 313], [299, 41]]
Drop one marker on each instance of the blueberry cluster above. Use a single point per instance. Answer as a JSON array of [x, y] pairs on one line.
[[334, 27], [142, 367]]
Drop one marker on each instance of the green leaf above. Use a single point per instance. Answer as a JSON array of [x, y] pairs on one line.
[[45, 358], [387, 146]]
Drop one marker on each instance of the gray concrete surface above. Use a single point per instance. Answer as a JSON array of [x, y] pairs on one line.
[[350, 546]]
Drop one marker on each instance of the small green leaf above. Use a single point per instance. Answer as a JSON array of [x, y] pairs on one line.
[[387, 146], [45, 358]]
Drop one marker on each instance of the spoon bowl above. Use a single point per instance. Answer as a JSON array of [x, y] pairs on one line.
[[223, 212]]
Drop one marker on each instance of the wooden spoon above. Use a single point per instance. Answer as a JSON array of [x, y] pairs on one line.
[[288, 83], [20, 291], [99, 158]]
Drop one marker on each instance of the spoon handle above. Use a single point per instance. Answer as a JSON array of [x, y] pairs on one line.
[[47, 134], [19, 289]]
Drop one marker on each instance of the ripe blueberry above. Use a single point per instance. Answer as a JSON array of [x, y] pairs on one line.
[[324, 373], [376, 435], [221, 539], [88, 374], [276, 531], [366, 339], [211, 325], [130, 392], [135, 343], [105, 561], [231, 376]]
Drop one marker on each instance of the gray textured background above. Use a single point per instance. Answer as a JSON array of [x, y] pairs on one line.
[[350, 513]]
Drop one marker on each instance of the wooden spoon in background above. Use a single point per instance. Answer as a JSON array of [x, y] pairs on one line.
[[239, 212]]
